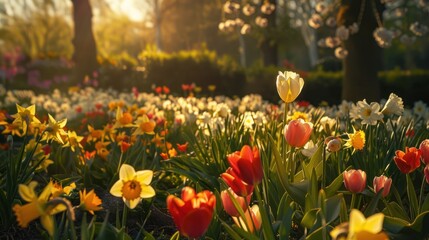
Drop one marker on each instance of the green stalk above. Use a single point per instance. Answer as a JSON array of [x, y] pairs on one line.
[[124, 215]]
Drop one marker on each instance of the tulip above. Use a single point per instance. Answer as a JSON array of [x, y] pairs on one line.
[[382, 182], [289, 86], [297, 132], [424, 149], [253, 219], [228, 205], [409, 160], [426, 172], [246, 165], [192, 213], [355, 180], [236, 184]]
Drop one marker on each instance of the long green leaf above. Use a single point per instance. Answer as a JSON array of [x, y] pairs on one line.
[[412, 197]]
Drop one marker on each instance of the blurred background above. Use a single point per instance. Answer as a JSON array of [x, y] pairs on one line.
[[223, 47]]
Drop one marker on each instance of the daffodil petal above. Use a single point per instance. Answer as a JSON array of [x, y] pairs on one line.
[[26, 193], [374, 224], [357, 220], [48, 223], [127, 172], [144, 176], [46, 192], [132, 203], [116, 189], [147, 191]]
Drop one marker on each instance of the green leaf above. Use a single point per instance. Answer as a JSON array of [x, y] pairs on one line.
[[176, 236], [370, 208], [314, 163], [404, 230], [310, 218], [318, 233], [280, 167], [425, 205], [332, 189], [412, 197], [394, 210]]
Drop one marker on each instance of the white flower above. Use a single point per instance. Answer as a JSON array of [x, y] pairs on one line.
[[245, 29], [369, 113], [231, 7], [354, 28], [261, 22], [418, 29], [327, 124], [383, 37], [331, 22], [342, 33], [419, 108], [309, 149], [394, 105], [289, 86], [315, 21], [248, 10], [332, 42], [268, 8], [341, 53]]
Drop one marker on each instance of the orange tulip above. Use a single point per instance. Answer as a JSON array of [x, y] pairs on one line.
[[237, 185], [382, 182], [228, 204], [246, 164], [426, 172], [298, 132], [355, 180], [409, 160], [192, 213]]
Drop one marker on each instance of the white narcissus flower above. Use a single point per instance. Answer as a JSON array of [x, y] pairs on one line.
[[133, 186], [309, 149], [369, 113], [289, 86], [341, 53], [393, 106]]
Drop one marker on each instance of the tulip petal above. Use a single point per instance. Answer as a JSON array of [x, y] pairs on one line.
[[196, 222]]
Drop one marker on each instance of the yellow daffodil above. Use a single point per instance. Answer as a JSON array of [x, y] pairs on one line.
[[144, 125], [14, 128], [37, 207], [356, 140], [73, 141], [94, 134], [289, 86], [89, 201], [123, 119], [25, 116], [361, 228], [133, 186], [54, 130], [302, 115]]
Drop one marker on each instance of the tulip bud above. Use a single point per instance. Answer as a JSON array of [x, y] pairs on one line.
[[298, 132], [382, 182], [228, 204], [333, 145], [354, 180], [426, 172], [424, 149]]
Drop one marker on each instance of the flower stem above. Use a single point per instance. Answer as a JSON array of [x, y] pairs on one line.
[[124, 215], [353, 202]]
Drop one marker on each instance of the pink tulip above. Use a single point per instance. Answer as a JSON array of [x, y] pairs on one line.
[[252, 219], [426, 172], [228, 204], [382, 182], [424, 150], [355, 180], [297, 132]]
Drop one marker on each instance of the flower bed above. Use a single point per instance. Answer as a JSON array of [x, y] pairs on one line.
[[99, 163]]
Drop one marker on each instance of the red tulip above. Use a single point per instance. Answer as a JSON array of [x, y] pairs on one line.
[[228, 204], [355, 180], [193, 212], [297, 132], [424, 149], [382, 182], [236, 184], [246, 164], [409, 160]]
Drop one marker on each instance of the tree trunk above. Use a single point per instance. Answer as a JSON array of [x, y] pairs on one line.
[[158, 23], [268, 45], [364, 58], [85, 52]]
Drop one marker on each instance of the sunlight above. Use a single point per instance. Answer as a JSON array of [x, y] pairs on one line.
[[134, 12]]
